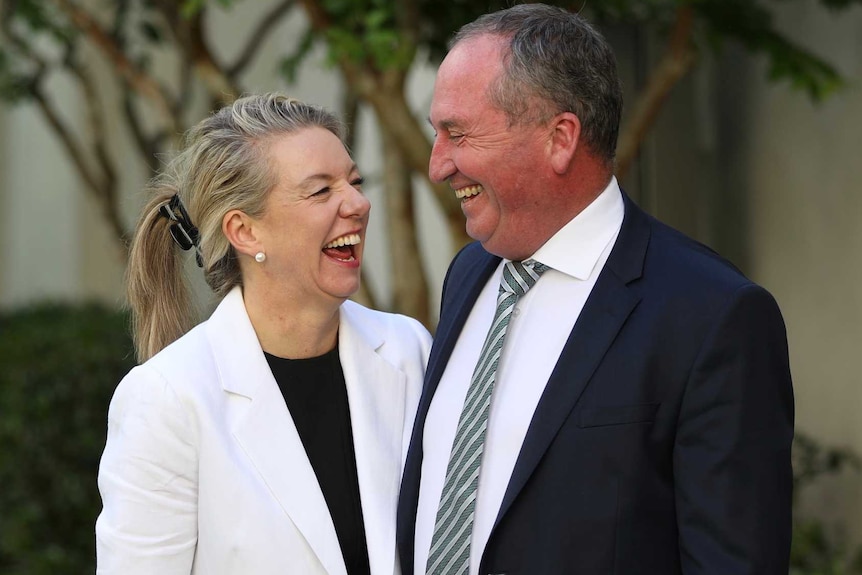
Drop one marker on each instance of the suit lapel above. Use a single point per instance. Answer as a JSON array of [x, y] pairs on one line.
[[266, 432], [466, 278], [609, 305], [376, 393], [465, 290]]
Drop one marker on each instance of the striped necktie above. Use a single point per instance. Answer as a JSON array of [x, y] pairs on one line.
[[450, 543]]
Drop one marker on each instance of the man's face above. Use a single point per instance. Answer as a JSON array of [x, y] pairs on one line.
[[493, 167]]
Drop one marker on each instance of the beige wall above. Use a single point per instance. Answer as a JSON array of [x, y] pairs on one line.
[[38, 238]]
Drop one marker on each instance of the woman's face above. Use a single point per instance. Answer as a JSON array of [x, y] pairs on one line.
[[313, 228]]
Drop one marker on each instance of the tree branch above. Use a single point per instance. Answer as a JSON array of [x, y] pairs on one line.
[[410, 284], [350, 109], [407, 18], [266, 25], [104, 188], [150, 146], [67, 139], [221, 85], [95, 118], [677, 60], [74, 150], [188, 33], [143, 84], [101, 186], [72, 147]]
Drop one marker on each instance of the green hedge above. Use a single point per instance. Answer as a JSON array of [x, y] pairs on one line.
[[59, 365]]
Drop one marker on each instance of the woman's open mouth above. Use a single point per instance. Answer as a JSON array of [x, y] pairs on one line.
[[342, 248]]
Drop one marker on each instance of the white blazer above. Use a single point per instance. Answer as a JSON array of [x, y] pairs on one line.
[[204, 471]]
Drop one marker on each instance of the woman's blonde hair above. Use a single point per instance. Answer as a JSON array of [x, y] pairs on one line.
[[223, 166]]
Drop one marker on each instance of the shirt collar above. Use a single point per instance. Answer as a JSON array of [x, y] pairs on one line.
[[576, 248]]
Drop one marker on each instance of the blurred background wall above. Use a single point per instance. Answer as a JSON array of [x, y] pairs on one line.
[[753, 169]]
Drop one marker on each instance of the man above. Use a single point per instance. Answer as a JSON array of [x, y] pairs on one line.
[[642, 410]]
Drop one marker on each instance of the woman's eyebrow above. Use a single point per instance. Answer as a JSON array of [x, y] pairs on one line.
[[324, 176]]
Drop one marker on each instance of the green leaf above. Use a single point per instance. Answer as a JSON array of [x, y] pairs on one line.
[[190, 8], [151, 31], [39, 19], [751, 24], [14, 84]]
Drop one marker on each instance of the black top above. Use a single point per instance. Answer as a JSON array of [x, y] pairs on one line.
[[316, 397]]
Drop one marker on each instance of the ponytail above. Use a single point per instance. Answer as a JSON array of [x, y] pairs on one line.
[[159, 295]]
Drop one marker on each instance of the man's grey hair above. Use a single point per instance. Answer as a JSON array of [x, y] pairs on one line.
[[561, 63]]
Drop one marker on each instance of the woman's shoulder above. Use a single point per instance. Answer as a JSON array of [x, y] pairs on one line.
[[180, 368], [190, 352]]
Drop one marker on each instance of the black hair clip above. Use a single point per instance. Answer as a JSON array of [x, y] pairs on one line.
[[185, 234]]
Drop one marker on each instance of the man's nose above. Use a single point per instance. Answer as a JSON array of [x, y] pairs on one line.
[[440, 167]]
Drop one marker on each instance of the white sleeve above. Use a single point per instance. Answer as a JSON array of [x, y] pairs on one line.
[[148, 479]]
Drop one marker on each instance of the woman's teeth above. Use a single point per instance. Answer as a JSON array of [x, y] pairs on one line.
[[348, 240]]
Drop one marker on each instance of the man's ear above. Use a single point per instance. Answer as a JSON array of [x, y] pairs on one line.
[[240, 231], [565, 136]]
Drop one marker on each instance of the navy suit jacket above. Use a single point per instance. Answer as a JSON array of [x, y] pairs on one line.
[[661, 444]]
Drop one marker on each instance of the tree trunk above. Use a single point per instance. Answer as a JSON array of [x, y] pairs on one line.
[[675, 63], [409, 281]]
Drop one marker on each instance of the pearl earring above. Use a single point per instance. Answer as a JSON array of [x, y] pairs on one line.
[[260, 257]]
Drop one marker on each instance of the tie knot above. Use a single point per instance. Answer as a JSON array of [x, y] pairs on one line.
[[519, 277]]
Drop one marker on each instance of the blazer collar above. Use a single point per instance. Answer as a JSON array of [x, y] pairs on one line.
[[262, 425]]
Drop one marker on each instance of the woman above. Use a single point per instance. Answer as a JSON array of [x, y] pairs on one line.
[[270, 438]]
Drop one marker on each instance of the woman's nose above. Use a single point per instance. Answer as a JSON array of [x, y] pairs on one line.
[[356, 203]]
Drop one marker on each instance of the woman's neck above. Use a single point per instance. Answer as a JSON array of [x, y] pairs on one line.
[[290, 328]]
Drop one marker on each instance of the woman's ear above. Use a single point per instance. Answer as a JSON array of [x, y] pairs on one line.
[[565, 135], [241, 232]]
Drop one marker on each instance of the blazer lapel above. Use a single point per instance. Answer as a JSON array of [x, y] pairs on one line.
[[465, 290], [376, 392], [266, 432], [606, 310]]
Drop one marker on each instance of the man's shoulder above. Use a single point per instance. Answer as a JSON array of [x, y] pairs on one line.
[[674, 249], [686, 270]]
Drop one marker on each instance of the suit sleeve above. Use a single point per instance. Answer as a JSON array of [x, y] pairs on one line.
[[148, 481], [732, 471]]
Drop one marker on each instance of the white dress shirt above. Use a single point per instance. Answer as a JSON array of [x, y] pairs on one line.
[[538, 330]]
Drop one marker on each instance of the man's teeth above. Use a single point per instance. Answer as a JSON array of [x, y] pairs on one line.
[[348, 240], [467, 191]]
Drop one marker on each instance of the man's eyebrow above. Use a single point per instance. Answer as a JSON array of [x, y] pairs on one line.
[[444, 124]]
